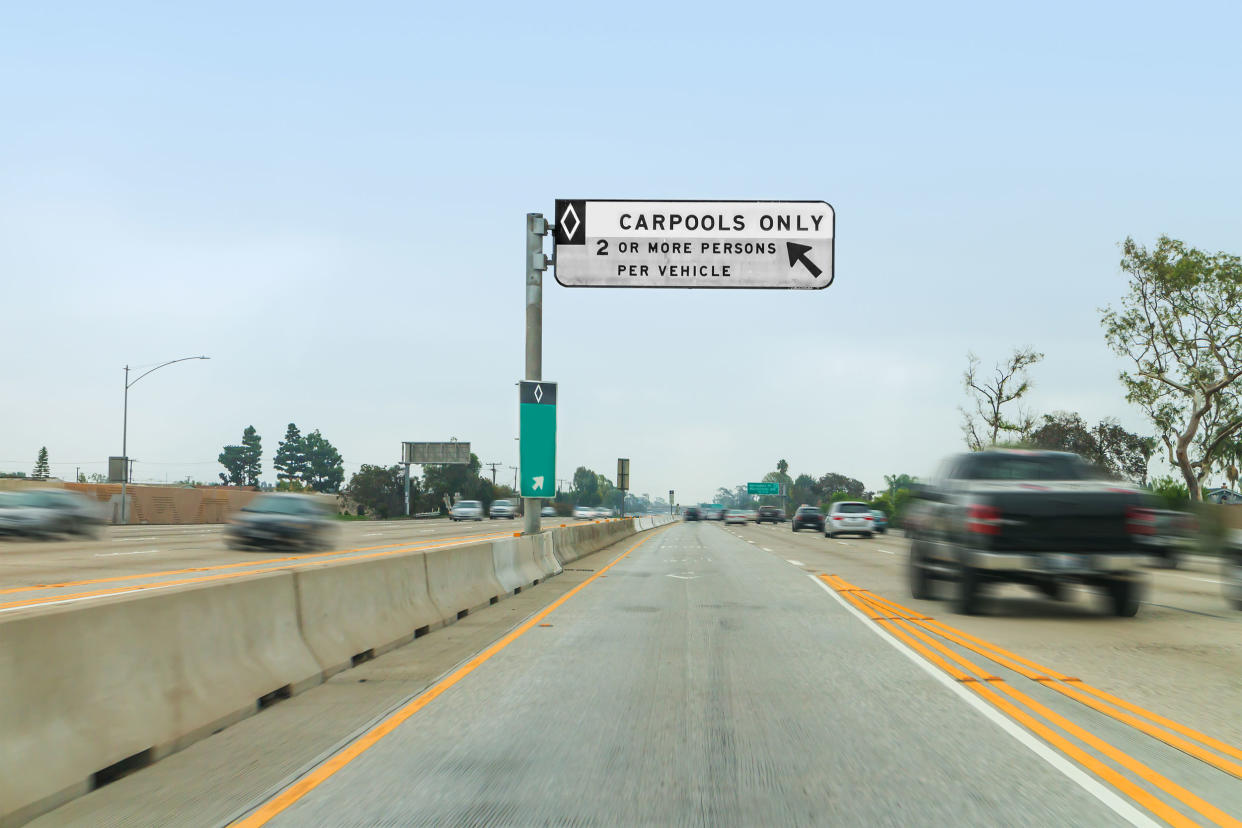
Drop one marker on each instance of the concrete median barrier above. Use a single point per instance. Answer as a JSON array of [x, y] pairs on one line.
[[461, 579], [353, 610], [89, 689]]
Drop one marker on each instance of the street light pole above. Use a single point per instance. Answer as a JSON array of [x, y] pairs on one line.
[[125, 432]]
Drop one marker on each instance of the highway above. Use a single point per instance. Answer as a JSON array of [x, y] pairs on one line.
[[132, 558], [707, 675]]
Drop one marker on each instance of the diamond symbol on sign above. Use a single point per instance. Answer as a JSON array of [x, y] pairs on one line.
[[538, 393], [570, 221]]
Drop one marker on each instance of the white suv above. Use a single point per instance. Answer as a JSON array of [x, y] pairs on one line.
[[849, 518]]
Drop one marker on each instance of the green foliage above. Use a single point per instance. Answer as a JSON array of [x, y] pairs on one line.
[[243, 464], [290, 460], [1173, 492], [1109, 446], [325, 468], [1180, 325], [586, 487], [42, 470], [379, 490], [291, 486], [452, 480]]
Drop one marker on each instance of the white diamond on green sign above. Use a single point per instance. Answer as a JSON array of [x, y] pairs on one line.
[[537, 407]]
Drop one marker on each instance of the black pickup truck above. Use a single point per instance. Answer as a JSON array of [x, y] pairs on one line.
[[1039, 518]]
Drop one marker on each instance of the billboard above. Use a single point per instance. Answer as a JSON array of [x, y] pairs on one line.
[[435, 453]]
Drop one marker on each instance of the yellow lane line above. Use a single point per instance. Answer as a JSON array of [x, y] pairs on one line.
[[1136, 767], [312, 557], [349, 753], [1081, 692]]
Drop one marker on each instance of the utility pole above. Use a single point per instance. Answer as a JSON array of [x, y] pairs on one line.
[[493, 467], [536, 264]]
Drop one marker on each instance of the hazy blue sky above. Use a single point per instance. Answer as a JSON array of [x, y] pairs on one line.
[[329, 201]]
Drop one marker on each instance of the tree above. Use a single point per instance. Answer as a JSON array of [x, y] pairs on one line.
[[290, 459], [252, 455], [42, 470], [782, 466], [1180, 325], [586, 487], [1119, 452], [378, 490], [1008, 383], [451, 479], [325, 470], [832, 483], [243, 464]]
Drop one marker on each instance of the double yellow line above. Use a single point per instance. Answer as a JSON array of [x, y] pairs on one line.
[[921, 634]]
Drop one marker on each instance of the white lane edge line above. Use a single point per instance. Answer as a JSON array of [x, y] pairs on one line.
[[795, 563], [1114, 801]]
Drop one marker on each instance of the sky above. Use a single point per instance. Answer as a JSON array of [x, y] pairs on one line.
[[329, 201]]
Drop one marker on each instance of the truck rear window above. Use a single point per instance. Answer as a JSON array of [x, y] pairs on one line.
[[1023, 467]]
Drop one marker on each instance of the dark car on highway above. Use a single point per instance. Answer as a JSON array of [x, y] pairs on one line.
[[1038, 518], [281, 520], [770, 514], [44, 513], [808, 517], [691, 513]]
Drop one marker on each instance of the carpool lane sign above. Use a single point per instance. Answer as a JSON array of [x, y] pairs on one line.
[[537, 443], [694, 244]]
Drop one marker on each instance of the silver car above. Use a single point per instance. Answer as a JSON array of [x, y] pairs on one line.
[[466, 510], [849, 518], [502, 509], [42, 513]]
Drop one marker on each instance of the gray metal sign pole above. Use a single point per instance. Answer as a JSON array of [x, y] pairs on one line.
[[536, 264]]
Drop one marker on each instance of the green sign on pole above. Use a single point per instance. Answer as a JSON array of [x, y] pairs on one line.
[[537, 406], [763, 488]]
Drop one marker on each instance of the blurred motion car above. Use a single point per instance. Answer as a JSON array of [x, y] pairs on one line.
[[584, 512], [849, 518], [1172, 536], [44, 513], [807, 517], [691, 513], [770, 514], [281, 520], [881, 521], [1231, 568], [713, 511], [1038, 518], [466, 510], [737, 516], [502, 509], [547, 511]]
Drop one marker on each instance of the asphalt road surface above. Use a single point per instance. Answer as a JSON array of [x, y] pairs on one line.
[[706, 677]]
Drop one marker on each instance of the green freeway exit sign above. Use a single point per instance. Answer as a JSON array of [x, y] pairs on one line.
[[763, 488], [537, 405]]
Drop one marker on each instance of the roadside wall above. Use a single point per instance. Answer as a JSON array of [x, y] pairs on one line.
[[131, 678]]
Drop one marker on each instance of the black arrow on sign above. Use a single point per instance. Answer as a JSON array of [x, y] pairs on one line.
[[797, 253]]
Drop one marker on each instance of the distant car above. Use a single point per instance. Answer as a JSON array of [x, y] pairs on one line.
[[547, 511], [737, 516], [691, 513], [1173, 535], [466, 510], [849, 518], [713, 512], [584, 512], [881, 521], [43, 513], [808, 517], [770, 514], [281, 520], [604, 512], [502, 509]]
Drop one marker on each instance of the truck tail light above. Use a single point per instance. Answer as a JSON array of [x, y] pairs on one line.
[[1140, 521], [983, 520]]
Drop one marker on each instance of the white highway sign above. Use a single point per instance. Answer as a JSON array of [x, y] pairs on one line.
[[694, 244]]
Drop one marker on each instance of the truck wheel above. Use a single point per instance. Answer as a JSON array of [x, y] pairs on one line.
[[1123, 596], [966, 591], [920, 580]]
